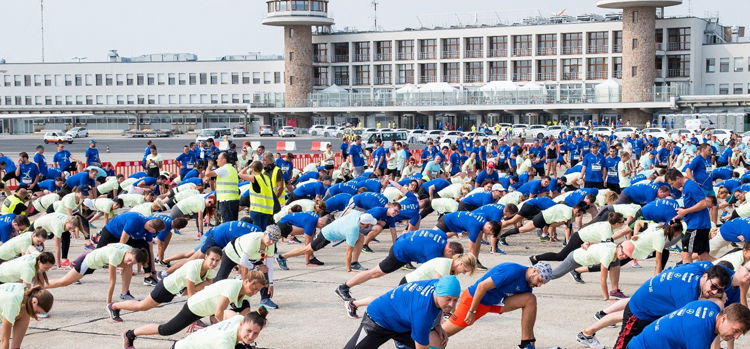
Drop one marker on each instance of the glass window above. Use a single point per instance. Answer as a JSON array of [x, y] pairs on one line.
[[108, 80], [214, 78], [140, 79], [522, 45], [597, 69], [320, 53], [546, 44], [546, 70], [119, 79], [150, 79], [267, 77], [203, 78], [617, 67], [723, 89], [498, 71], [498, 46], [571, 69], [572, 43], [235, 78], [710, 65], [246, 78], [192, 78], [617, 38], [724, 65], [521, 70], [678, 39], [256, 78], [383, 74], [598, 42], [451, 48], [320, 76], [225, 78], [737, 89], [405, 49], [341, 76], [277, 77], [362, 51], [473, 72], [405, 73], [427, 73], [678, 66], [340, 52], [474, 47], [739, 64], [161, 79], [182, 78], [452, 72], [427, 49], [47, 80], [361, 75], [383, 50], [129, 79]]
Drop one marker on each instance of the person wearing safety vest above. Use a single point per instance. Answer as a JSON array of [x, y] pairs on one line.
[[277, 179], [261, 194], [227, 189], [15, 203]]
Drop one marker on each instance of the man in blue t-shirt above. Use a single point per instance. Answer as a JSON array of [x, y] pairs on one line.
[[407, 314], [187, 161], [695, 325], [475, 226], [643, 193], [92, 155], [338, 202], [594, 169], [661, 211], [64, 160], [358, 156], [27, 172], [416, 246], [505, 287], [311, 190], [695, 214]]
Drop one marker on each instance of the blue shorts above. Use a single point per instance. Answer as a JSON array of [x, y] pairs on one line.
[[206, 242]]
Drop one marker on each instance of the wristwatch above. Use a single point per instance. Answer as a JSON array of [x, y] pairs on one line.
[[472, 311]]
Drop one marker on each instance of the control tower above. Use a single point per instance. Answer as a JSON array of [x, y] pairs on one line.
[[297, 18], [638, 51]]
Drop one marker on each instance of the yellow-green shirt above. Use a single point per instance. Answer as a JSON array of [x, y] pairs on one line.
[[628, 210], [108, 186], [432, 269], [112, 254], [596, 232], [597, 254], [103, 205], [648, 241], [52, 223], [248, 244], [127, 183], [189, 271], [69, 201], [204, 302], [511, 198], [20, 269], [443, 205], [184, 194], [736, 258], [218, 336], [130, 200], [192, 205], [11, 297], [558, 213], [15, 246], [307, 205], [41, 204], [392, 194], [452, 191], [144, 208]]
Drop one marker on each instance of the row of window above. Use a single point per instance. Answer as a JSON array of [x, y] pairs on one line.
[[738, 65], [142, 79], [724, 89], [259, 97], [472, 72]]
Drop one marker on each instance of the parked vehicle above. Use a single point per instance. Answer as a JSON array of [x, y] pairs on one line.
[[536, 131], [388, 138], [580, 129], [656, 132], [602, 131], [217, 134], [329, 131], [57, 137], [287, 131], [554, 131], [624, 132], [317, 130], [697, 124], [722, 135], [414, 135], [678, 133], [450, 137], [157, 133], [265, 130], [238, 132], [431, 135], [78, 132], [520, 130]]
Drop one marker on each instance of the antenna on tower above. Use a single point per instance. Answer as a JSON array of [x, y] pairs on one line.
[[375, 12]]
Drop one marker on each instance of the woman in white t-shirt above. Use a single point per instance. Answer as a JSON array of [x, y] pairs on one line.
[[228, 333], [625, 170], [153, 163]]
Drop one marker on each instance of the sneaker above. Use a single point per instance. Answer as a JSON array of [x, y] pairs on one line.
[[635, 264], [42, 315], [343, 292], [358, 267], [544, 238], [163, 263], [374, 240], [65, 264], [617, 294], [485, 242], [408, 266], [293, 240], [163, 274], [150, 281], [114, 314], [589, 341], [503, 242], [577, 277], [128, 297], [281, 261], [351, 309], [268, 304], [533, 260], [528, 346], [480, 266], [367, 249], [315, 261], [599, 315], [128, 337]]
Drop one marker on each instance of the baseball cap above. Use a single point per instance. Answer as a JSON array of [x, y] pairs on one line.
[[498, 186], [273, 232], [367, 219], [89, 203], [491, 164], [628, 247], [544, 270], [448, 286], [92, 141]]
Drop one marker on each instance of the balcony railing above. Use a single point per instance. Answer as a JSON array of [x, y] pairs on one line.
[[427, 55], [678, 73], [596, 75], [546, 77], [405, 56], [498, 77], [522, 77], [450, 55], [617, 74], [451, 79], [571, 76], [571, 50], [382, 81], [427, 79], [364, 57], [473, 78], [406, 80], [340, 58], [320, 82], [678, 46], [546, 51], [320, 59], [597, 49], [361, 82], [473, 54], [521, 52], [659, 46], [380, 57], [341, 81], [617, 48], [497, 53]]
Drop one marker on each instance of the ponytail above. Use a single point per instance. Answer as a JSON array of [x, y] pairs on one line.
[[468, 260], [40, 278], [257, 276], [43, 297], [615, 218], [611, 197], [257, 317]]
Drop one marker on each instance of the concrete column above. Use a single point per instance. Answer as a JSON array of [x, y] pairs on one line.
[[638, 88], [298, 71], [430, 122], [516, 118]]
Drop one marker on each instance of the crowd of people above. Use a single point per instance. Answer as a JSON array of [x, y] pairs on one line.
[[616, 201]]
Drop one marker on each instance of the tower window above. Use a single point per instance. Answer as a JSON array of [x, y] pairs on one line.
[[634, 71], [291, 80], [635, 44], [635, 16], [291, 56]]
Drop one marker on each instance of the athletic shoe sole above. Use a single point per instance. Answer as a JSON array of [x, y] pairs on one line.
[[349, 313], [111, 315]]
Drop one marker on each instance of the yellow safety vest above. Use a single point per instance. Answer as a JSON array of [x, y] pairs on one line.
[[227, 188], [262, 200], [274, 179], [10, 204]]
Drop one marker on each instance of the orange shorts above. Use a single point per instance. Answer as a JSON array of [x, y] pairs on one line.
[[463, 306]]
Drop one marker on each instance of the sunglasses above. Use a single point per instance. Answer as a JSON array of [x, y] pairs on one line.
[[716, 288]]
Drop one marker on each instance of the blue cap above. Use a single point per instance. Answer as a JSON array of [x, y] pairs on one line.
[[321, 168], [448, 286], [92, 141]]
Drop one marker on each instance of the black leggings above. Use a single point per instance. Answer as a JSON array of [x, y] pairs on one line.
[[427, 209], [65, 237], [179, 322], [574, 243], [226, 268], [370, 335]]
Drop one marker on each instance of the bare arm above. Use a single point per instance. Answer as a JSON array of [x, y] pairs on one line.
[[220, 307], [111, 283], [348, 258], [481, 290], [124, 237]]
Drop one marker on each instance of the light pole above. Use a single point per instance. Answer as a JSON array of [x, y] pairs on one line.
[[41, 11]]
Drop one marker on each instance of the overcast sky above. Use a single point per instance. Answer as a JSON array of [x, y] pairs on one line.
[[214, 28]]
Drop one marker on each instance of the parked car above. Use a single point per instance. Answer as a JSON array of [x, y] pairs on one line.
[[481, 136], [554, 131], [352, 133], [431, 135], [520, 130], [287, 131], [157, 133], [57, 137], [722, 135], [678, 133], [656, 132], [536, 131], [450, 137], [580, 129], [388, 138], [413, 135], [78, 132], [624, 132], [265, 130], [329, 131], [238, 132], [217, 134], [602, 131], [317, 130]]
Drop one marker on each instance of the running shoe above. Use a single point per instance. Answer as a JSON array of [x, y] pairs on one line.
[[128, 337], [367, 249], [544, 238], [528, 346], [375, 240], [293, 240], [599, 315], [315, 261], [577, 277], [480, 266], [499, 251], [485, 242], [65, 264], [268, 304], [343, 292], [532, 260], [42, 315], [635, 264], [163, 263], [127, 297], [163, 274], [114, 314], [358, 267], [675, 249], [351, 309], [408, 266], [503, 242], [150, 281], [589, 340], [282, 262], [617, 294]]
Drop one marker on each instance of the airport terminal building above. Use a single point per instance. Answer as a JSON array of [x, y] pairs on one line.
[[635, 64]]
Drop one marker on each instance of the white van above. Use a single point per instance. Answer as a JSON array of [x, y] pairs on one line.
[[217, 134], [697, 124], [389, 138]]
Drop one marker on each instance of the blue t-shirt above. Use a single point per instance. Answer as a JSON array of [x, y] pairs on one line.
[[130, 222], [287, 167], [660, 211], [190, 174], [381, 214], [532, 188], [740, 226], [310, 190], [464, 221], [612, 163], [145, 180], [698, 166], [438, 183], [509, 279], [693, 194], [378, 157], [79, 179], [722, 173], [338, 202], [308, 221], [187, 161], [574, 169], [48, 184], [28, 173], [491, 212], [41, 162], [691, 326], [343, 188], [62, 159], [540, 156], [162, 235], [344, 149], [138, 175], [409, 209], [455, 160], [194, 180], [6, 227], [420, 245], [92, 156], [372, 185], [594, 165], [577, 196], [479, 199], [369, 200], [357, 155], [668, 291], [224, 233], [541, 202], [483, 176], [642, 193], [730, 184], [407, 308]]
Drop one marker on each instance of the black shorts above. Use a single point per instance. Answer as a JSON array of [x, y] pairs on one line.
[[319, 242], [79, 265], [539, 221], [573, 163], [390, 263], [466, 207], [329, 167], [503, 166], [614, 187], [422, 193], [597, 185], [285, 229], [441, 224], [540, 171], [395, 172], [631, 327], [696, 241], [160, 294], [529, 211]]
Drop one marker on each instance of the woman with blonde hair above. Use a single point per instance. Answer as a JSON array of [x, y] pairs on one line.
[[625, 169]]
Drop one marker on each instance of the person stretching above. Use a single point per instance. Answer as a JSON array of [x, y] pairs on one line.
[[228, 334], [18, 305]]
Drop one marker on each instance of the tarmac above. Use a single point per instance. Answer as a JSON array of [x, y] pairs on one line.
[[312, 316]]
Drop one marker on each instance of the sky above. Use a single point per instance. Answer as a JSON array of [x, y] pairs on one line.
[[214, 28]]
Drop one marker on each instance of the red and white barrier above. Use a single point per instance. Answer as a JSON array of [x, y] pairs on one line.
[[286, 146], [319, 146]]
